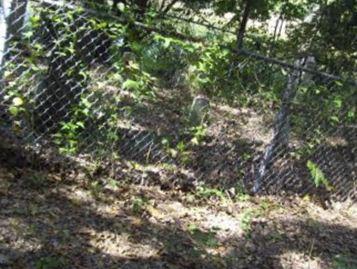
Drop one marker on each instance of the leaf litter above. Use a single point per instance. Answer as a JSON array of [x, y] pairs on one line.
[[52, 218]]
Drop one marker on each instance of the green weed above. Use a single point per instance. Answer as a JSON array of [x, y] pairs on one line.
[[247, 218], [318, 176], [206, 239], [208, 193], [138, 205], [51, 263], [344, 262]]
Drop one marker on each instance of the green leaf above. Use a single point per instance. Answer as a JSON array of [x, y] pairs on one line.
[[338, 83], [337, 102], [318, 176], [35, 19], [28, 34], [17, 101], [334, 119], [350, 114], [80, 124], [131, 85], [86, 103], [13, 110], [167, 43], [195, 141]]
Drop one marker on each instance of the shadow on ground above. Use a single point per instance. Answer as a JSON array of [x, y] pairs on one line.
[[60, 220]]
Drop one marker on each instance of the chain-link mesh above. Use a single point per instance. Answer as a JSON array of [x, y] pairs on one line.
[[69, 81]]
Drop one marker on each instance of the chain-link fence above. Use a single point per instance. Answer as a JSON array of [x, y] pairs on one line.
[[71, 81]]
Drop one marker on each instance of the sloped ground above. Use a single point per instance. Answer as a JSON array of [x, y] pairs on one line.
[[232, 139], [231, 148], [61, 216]]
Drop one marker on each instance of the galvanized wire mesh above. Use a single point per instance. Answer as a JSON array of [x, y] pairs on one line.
[[68, 81]]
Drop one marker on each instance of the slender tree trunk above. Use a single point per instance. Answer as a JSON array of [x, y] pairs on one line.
[[143, 5], [16, 18], [12, 17], [3, 33], [243, 24], [279, 23], [5, 8]]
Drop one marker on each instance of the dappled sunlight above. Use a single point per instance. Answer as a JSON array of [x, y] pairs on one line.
[[78, 196], [247, 123], [137, 224], [118, 244], [345, 215], [227, 225], [18, 234], [301, 261], [149, 134]]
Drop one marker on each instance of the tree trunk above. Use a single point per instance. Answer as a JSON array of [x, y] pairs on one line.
[[243, 24], [143, 5], [16, 18], [3, 30], [12, 17], [5, 9], [278, 25]]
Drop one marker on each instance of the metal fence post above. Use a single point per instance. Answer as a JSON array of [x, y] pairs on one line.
[[281, 125]]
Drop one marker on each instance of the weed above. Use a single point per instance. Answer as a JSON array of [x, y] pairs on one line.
[[207, 193], [247, 218], [248, 215], [138, 205], [318, 176], [113, 184], [206, 239], [36, 180], [344, 262], [199, 133], [95, 188], [183, 153], [51, 263], [240, 194], [242, 197], [266, 205]]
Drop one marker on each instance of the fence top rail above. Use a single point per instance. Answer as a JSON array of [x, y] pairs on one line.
[[291, 66]]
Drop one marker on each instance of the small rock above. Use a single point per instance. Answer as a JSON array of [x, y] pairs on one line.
[[153, 220]]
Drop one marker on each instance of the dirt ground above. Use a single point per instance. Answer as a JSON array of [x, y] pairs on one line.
[[65, 213], [53, 217]]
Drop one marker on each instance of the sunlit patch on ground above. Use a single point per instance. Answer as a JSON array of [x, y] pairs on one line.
[[72, 221]]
